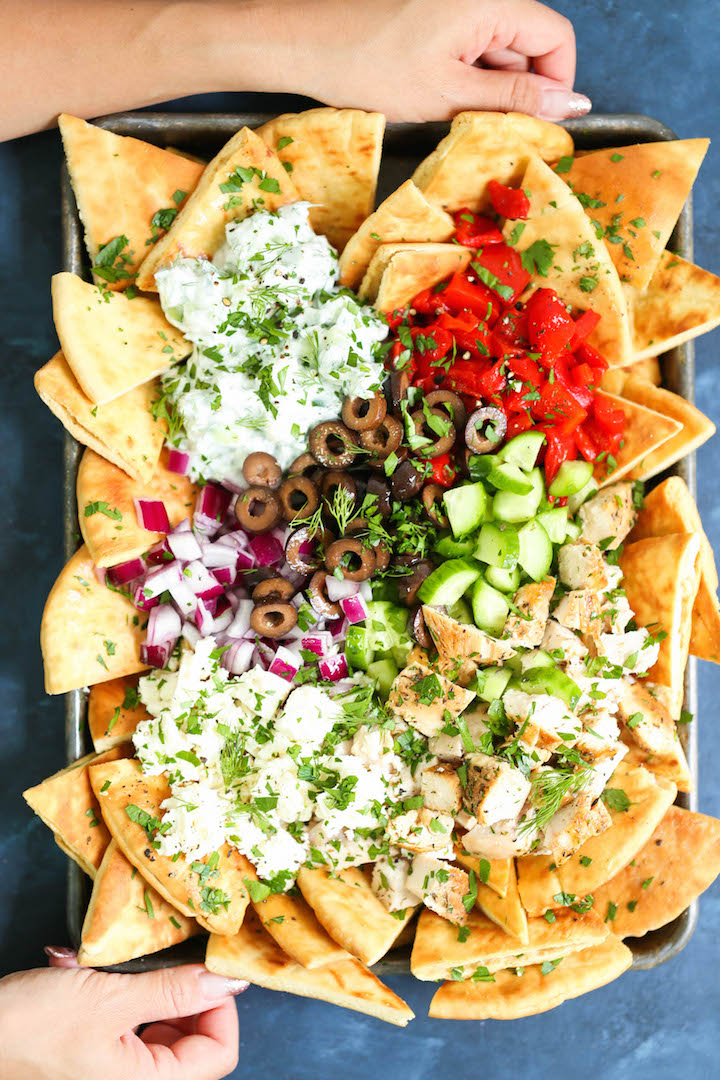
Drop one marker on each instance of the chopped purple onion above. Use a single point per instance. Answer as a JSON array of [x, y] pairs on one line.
[[354, 608], [338, 590], [285, 664], [152, 515], [333, 668], [178, 461], [124, 572]]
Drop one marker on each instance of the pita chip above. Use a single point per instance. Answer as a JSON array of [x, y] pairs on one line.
[[333, 156], [246, 175], [497, 877], [123, 431], [484, 146], [645, 431], [510, 996], [636, 193], [106, 510], [680, 302], [89, 633], [211, 889], [581, 270], [404, 217], [504, 908], [114, 711], [126, 918], [112, 344], [696, 427], [292, 923], [253, 955], [647, 370], [398, 272], [705, 632], [65, 802]]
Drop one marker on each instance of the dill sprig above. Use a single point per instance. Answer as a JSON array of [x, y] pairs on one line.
[[549, 789]]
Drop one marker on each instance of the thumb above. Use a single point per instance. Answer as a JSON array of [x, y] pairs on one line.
[[513, 91], [168, 993]]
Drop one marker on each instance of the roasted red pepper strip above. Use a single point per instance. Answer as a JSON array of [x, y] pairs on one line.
[[463, 295], [500, 268], [550, 328], [583, 328], [474, 230], [508, 202], [441, 470]]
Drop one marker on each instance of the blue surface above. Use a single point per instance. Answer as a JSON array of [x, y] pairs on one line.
[[654, 57]]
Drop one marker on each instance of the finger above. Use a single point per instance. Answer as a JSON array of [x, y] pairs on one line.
[[208, 1055], [167, 994], [547, 37], [509, 91], [166, 1032], [505, 60], [60, 956]]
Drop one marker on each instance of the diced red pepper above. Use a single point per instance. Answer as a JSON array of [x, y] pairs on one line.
[[474, 230], [512, 327], [508, 202], [526, 369], [397, 350], [463, 295], [504, 271], [550, 328], [432, 343], [583, 375], [518, 423], [475, 379], [584, 327], [584, 443], [429, 302], [442, 470], [560, 446], [607, 416], [470, 334], [585, 354]]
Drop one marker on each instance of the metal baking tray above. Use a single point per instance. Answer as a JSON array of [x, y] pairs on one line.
[[405, 145]]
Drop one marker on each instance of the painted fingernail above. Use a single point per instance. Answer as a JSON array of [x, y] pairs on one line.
[[59, 952], [219, 986], [561, 104]]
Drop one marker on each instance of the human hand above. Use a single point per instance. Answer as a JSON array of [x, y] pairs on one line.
[[77, 1023]]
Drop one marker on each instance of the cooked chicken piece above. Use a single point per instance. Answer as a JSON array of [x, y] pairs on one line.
[[617, 613], [421, 830], [371, 744], [533, 602], [600, 722], [495, 790], [465, 820], [647, 719], [580, 610], [634, 651], [503, 840], [603, 768], [446, 747], [582, 566], [440, 787], [609, 515], [441, 886], [463, 645], [544, 720], [557, 639], [422, 696], [573, 825], [389, 880]]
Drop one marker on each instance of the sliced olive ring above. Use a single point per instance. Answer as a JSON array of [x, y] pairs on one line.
[[356, 562], [452, 403], [304, 563], [273, 619], [399, 386], [273, 588], [317, 590], [334, 479], [384, 439], [262, 470], [476, 441], [332, 444], [418, 629], [439, 444], [379, 550], [299, 497], [258, 509], [409, 585], [432, 497], [380, 488], [406, 481], [302, 465], [361, 414]]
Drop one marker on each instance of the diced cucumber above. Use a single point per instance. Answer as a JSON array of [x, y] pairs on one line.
[[498, 546], [508, 477], [537, 659], [553, 681], [480, 465], [575, 501], [573, 530], [359, 647], [450, 548], [384, 672], [523, 449], [555, 522], [510, 507], [448, 583], [536, 551], [387, 626], [401, 650], [490, 608], [514, 663], [492, 682], [571, 477], [465, 507], [506, 581], [461, 611]]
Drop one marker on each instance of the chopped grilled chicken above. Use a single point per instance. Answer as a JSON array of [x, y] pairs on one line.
[[503, 840], [389, 880], [495, 790], [582, 566], [421, 830], [421, 697], [441, 886], [440, 787], [580, 610], [463, 645], [533, 602], [446, 747], [635, 651], [573, 825], [647, 719], [608, 516], [563, 644], [603, 768], [465, 820], [545, 721]]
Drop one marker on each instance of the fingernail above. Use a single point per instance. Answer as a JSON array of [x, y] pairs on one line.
[[219, 986], [59, 952], [561, 104]]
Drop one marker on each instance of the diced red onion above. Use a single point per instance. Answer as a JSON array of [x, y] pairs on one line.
[[178, 461], [235, 538], [338, 627], [245, 560], [238, 657], [191, 634], [224, 575], [210, 509], [294, 635], [184, 597], [159, 554], [267, 550], [201, 581], [338, 589], [354, 608], [263, 654], [141, 601], [126, 571], [219, 555], [319, 642], [163, 625], [184, 545], [296, 579], [365, 590], [333, 668], [223, 616], [285, 664], [241, 620], [156, 656], [236, 489], [160, 580], [204, 618], [152, 515]]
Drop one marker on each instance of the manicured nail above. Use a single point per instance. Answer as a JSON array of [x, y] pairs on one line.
[[561, 104], [59, 952], [219, 986]]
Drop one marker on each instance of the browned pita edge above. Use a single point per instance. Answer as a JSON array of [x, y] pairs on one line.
[[498, 897], [121, 784], [89, 633], [696, 427], [499, 874], [114, 711], [678, 863], [124, 430], [680, 302], [199, 229], [65, 802], [398, 272], [636, 193], [645, 431], [125, 917], [112, 540], [253, 955], [512, 995], [333, 156]]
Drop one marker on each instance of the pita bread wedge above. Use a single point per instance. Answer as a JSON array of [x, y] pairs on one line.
[[404, 217], [292, 923], [253, 955], [581, 272], [106, 511], [123, 431], [216, 897], [126, 918], [498, 875], [635, 194], [114, 711], [252, 178], [603, 856], [680, 302], [678, 863], [347, 907], [438, 954], [647, 370], [511, 996], [696, 427], [89, 633], [120, 185], [112, 344], [705, 632], [65, 802], [398, 272], [506, 911], [484, 146], [661, 575], [645, 431], [333, 156]]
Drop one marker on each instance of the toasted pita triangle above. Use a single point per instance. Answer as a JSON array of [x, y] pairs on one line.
[[89, 633], [437, 951], [111, 722], [125, 784], [126, 918], [253, 955], [661, 575], [398, 272], [404, 217], [607, 853], [199, 229], [334, 159], [705, 633], [645, 431], [111, 540], [123, 431], [119, 184], [484, 146], [347, 907], [292, 923], [642, 188], [503, 908], [501, 870], [557, 218], [680, 302], [646, 370], [66, 804], [696, 427], [678, 863], [511, 996], [112, 344]]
